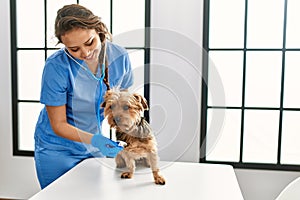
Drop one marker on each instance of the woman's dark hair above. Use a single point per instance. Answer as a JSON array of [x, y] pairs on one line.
[[74, 16]]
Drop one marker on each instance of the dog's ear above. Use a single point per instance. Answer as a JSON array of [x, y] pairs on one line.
[[103, 104], [144, 129], [139, 98], [106, 96]]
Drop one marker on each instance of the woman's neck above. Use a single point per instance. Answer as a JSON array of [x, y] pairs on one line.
[[93, 66]]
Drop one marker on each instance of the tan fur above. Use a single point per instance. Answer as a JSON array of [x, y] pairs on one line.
[[123, 111]]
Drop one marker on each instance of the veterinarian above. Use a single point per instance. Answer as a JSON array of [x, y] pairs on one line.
[[68, 129]]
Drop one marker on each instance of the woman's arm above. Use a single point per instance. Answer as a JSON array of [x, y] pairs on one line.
[[60, 126]]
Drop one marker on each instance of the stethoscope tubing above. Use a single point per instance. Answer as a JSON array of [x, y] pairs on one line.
[[99, 80]]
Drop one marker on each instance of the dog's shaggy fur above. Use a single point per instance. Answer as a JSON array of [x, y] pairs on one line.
[[123, 112]]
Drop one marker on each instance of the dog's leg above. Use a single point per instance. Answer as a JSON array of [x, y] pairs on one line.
[[158, 178], [130, 163], [146, 162], [120, 161]]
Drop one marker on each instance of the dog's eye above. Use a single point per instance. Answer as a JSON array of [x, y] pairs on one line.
[[112, 107], [125, 107]]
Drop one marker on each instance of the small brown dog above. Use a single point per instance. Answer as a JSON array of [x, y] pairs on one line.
[[123, 111]]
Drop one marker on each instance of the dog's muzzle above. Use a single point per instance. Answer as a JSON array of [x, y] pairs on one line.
[[117, 119]]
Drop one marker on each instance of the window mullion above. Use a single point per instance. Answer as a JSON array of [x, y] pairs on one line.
[[282, 83]]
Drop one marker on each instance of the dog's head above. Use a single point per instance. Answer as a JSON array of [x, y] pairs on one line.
[[123, 109]]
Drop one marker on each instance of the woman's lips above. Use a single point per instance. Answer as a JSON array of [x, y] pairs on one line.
[[90, 56]]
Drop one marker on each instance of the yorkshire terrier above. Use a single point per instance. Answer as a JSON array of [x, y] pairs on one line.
[[123, 112]]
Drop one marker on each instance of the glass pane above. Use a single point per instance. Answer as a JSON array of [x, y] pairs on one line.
[[265, 23], [290, 151], [52, 7], [30, 25], [229, 65], [226, 17], [50, 52], [227, 147], [291, 80], [99, 8], [263, 79], [293, 28], [28, 116], [137, 63], [129, 22], [260, 136], [30, 68]]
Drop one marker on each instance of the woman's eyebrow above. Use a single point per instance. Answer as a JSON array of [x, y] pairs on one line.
[[83, 43]]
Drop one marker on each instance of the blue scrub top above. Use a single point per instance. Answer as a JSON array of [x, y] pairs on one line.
[[64, 82]]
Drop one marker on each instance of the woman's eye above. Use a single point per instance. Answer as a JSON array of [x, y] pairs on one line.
[[89, 44], [74, 50], [125, 107]]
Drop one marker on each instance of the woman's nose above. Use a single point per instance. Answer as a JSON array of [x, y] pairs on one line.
[[85, 52]]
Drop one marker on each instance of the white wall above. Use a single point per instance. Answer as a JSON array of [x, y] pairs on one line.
[[17, 174], [175, 78], [175, 89]]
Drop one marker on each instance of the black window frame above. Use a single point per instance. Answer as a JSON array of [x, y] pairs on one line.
[[204, 97]]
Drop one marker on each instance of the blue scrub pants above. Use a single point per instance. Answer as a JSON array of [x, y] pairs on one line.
[[51, 164]]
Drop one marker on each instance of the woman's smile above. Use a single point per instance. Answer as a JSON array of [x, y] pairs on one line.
[[83, 44]]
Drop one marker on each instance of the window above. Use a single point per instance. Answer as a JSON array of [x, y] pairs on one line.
[[32, 39], [253, 50]]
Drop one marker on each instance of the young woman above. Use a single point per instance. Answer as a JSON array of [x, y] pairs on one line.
[[73, 84]]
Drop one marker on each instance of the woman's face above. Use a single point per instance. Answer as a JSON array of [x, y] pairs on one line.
[[83, 44]]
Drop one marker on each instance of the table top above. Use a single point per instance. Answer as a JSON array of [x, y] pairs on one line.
[[98, 178]]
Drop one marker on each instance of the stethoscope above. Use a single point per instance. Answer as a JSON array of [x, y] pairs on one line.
[[99, 79]]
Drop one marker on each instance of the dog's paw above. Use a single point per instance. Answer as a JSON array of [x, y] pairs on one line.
[[126, 175], [159, 180]]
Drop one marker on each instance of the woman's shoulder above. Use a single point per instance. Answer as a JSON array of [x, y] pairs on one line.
[[58, 57], [57, 62], [115, 51], [115, 47]]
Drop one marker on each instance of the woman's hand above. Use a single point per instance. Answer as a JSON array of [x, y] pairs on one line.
[[106, 146]]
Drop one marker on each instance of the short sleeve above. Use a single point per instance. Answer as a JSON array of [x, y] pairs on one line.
[[127, 78], [54, 84], [120, 71]]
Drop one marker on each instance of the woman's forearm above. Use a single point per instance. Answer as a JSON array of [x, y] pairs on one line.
[[70, 132], [60, 126]]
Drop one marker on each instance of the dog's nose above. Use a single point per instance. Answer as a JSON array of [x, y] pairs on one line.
[[117, 119]]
